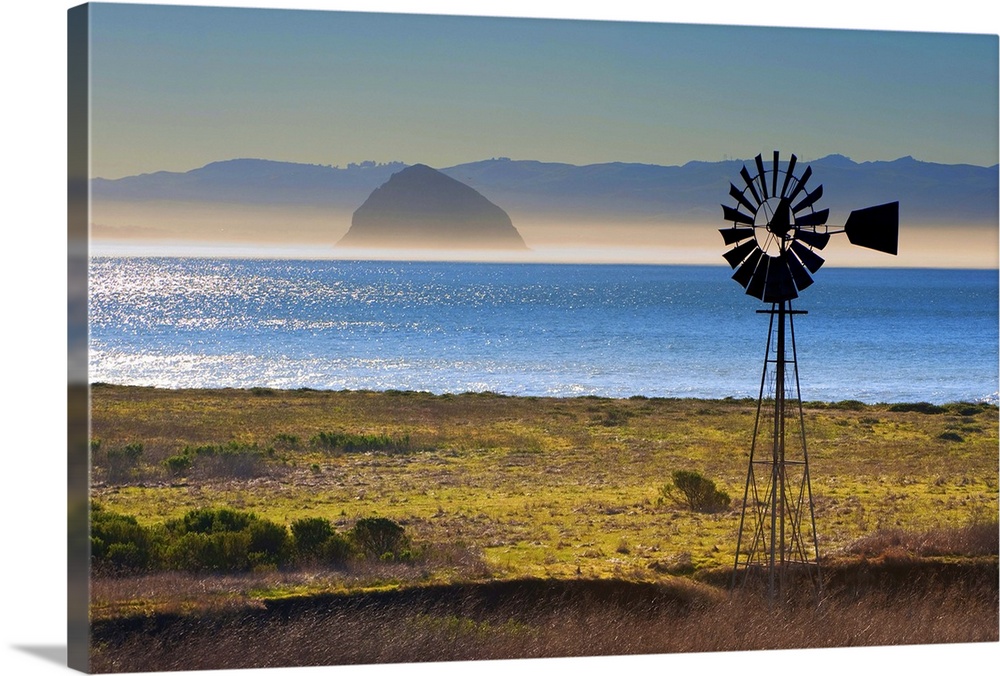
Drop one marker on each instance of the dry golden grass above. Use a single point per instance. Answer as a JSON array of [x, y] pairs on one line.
[[546, 619]]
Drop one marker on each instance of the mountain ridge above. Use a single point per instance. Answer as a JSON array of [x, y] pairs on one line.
[[928, 192]]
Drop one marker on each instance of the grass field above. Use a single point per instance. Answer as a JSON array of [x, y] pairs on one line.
[[494, 488]]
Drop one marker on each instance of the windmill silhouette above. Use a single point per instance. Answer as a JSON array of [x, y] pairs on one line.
[[776, 233]]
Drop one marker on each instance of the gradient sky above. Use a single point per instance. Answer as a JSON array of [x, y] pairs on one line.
[[177, 87]]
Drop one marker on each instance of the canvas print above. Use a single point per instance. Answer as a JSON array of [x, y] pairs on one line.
[[423, 338]]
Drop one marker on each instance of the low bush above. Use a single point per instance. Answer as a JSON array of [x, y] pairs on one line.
[[848, 405], [123, 462], [315, 541], [118, 543], [346, 442], [231, 460], [225, 540], [179, 464], [697, 492], [380, 538], [918, 407]]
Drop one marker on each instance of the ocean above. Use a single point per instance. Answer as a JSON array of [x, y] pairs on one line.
[[874, 335]]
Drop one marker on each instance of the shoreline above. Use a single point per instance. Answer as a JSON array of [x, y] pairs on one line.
[[807, 403]]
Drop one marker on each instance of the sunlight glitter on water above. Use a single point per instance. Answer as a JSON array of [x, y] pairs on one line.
[[533, 329]]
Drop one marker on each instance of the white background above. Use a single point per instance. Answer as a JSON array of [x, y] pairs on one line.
[[33, 325]]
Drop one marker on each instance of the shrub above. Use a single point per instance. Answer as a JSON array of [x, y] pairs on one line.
[[179, 464], [269, 544], [345, 442], [216, 552], [118, 543], [849, 405], [698, 493], [225, 540], [316, 541], [967, 408], [207, 520], [233, 459], [918, 407], [310, 534], [615, 417], [379, 538], [123, 462], [336, 549]]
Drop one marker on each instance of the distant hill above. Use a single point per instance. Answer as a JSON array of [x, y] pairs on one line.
[[927, 192], [420, 207]]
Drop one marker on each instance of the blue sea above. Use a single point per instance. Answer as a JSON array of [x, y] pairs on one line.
[[875, 335]]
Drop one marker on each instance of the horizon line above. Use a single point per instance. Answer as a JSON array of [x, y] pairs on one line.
[[503, 158]]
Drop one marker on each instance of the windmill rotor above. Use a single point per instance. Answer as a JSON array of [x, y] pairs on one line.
[[777, 231]]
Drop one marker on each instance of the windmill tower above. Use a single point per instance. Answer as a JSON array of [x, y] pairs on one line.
[[776, 231]]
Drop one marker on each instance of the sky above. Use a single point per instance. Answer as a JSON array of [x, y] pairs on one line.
[[174, 88]]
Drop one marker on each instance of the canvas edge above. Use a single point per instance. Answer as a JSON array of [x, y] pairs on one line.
[[78, 390]]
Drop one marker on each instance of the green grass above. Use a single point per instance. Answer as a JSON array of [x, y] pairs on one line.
[[537, 487]]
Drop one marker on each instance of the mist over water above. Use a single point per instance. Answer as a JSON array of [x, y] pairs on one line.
[[534, 329]]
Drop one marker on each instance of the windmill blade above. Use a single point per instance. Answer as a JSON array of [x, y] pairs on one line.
[[774, 174], [749, 181], [875, 227], [817, 240], [735, 256], [733, 235], [760, 173], [746, 270], [801, 185], [737, 194], [799, 274], [759, 279], [808, 200], [735, 215], [788, 175], [779, 285], [815, 218], [810, 259]]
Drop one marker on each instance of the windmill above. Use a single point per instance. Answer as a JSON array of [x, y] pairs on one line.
[[776, 232]]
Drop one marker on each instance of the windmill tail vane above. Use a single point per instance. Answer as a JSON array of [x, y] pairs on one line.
[[776, 234]]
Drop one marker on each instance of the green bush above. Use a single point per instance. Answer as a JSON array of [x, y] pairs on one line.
[[697, 492], [849, 405], [207, 520], [233, 459], [269, 543], [226, 540], [316, 541], [310, 534], [210, 552], [123, 463], [918, 407], [345, 442], [379, 538], [178, 465], [118, 543], [336, 550]]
